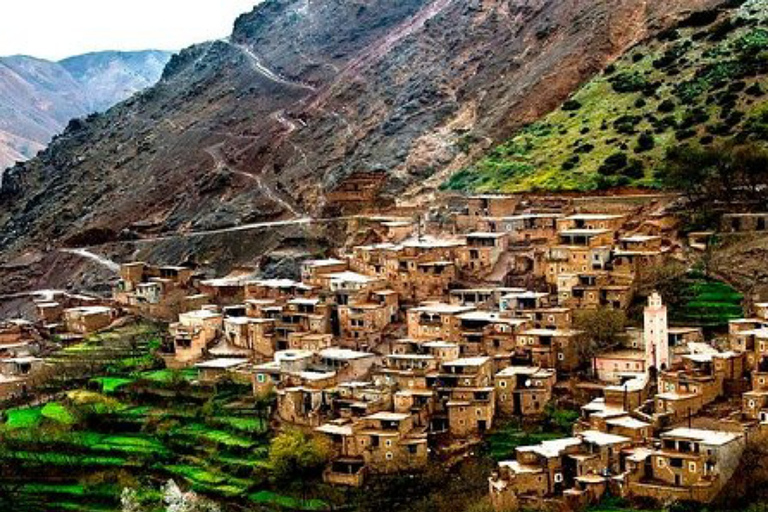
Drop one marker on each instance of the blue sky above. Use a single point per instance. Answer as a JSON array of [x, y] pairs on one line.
[[54, 29]]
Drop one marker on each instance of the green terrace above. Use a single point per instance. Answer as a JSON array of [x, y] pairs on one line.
[[137, 425]]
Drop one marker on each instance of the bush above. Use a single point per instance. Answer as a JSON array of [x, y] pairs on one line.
[[667, 106], [645, 142], [628, 81], [571, 105], [635, 170], [613, 164]]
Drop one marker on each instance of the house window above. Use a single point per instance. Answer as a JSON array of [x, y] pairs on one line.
[[561, 356], [390, 456], [692, 467], [389, 443], [558, 477], [503, 384], [261, 378], [660, 462]]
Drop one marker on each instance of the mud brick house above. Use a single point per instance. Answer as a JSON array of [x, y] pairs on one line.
[[153, 291], [614, 365], [691, 464], [551, 318], [364, 318], [466, 394], [481, 298], [361, 190], [356, 399], [523, 390], [17, 332], [591, 221], [407, 371], [313, 272], [436, 321], [486, 205], [224, 291], [551, 348], [302, 315], [350, 364], [578, 251], [381, 443], [617, 401], [524, 229], [482, 251], [418, 269], [488, 333], [743, 222], [636, 253], [524, 302], [192, 335], [571, 472], [592, 290], [686, 391], [310, 341], [279, 290], [256, 335], [88, 319], [218, 369]]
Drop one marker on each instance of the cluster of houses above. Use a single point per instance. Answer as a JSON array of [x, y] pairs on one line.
[[432, 330]]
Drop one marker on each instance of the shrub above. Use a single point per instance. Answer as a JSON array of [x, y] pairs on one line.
[[667, 106], [635, 170], [571, 105], [613, 164], [629, 81], [645, 142], [626, 124]]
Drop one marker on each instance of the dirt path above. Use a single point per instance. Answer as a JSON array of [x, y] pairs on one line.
[[220, 165], [101, 260], [264, 71]]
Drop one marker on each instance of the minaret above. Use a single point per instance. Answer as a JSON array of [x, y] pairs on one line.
[[655, 333]]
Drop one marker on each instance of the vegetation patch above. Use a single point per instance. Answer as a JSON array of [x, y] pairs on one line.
[[702, 84]]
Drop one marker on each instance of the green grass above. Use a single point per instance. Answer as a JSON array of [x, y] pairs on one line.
[[111, 384], [222, 437], [249, 425], [58, 413], [503, 442], [687, 99], [271, 498], [24, 418]]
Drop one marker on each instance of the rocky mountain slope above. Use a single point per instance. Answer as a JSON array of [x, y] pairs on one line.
[[39, 97], [703, 82], [304, 93]]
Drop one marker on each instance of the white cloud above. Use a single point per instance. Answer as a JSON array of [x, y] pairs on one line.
[[54, 29]]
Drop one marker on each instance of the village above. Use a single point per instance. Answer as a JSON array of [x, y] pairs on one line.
[[431, 327]]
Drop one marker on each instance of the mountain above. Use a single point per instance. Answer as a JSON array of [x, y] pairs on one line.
[[261, 125], [702, 82], [38, 97]]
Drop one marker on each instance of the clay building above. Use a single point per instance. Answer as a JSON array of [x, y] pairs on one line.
[[523, 390]]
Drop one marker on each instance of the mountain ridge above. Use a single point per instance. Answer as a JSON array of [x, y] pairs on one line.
[[304, 94], [38, 96]]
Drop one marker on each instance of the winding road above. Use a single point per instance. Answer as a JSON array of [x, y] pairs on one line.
[[101, 260]]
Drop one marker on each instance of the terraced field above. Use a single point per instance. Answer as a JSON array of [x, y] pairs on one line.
[[137, 426]]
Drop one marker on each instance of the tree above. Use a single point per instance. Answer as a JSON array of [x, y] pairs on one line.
[[263, 404], [296, 455], [603, 328]]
